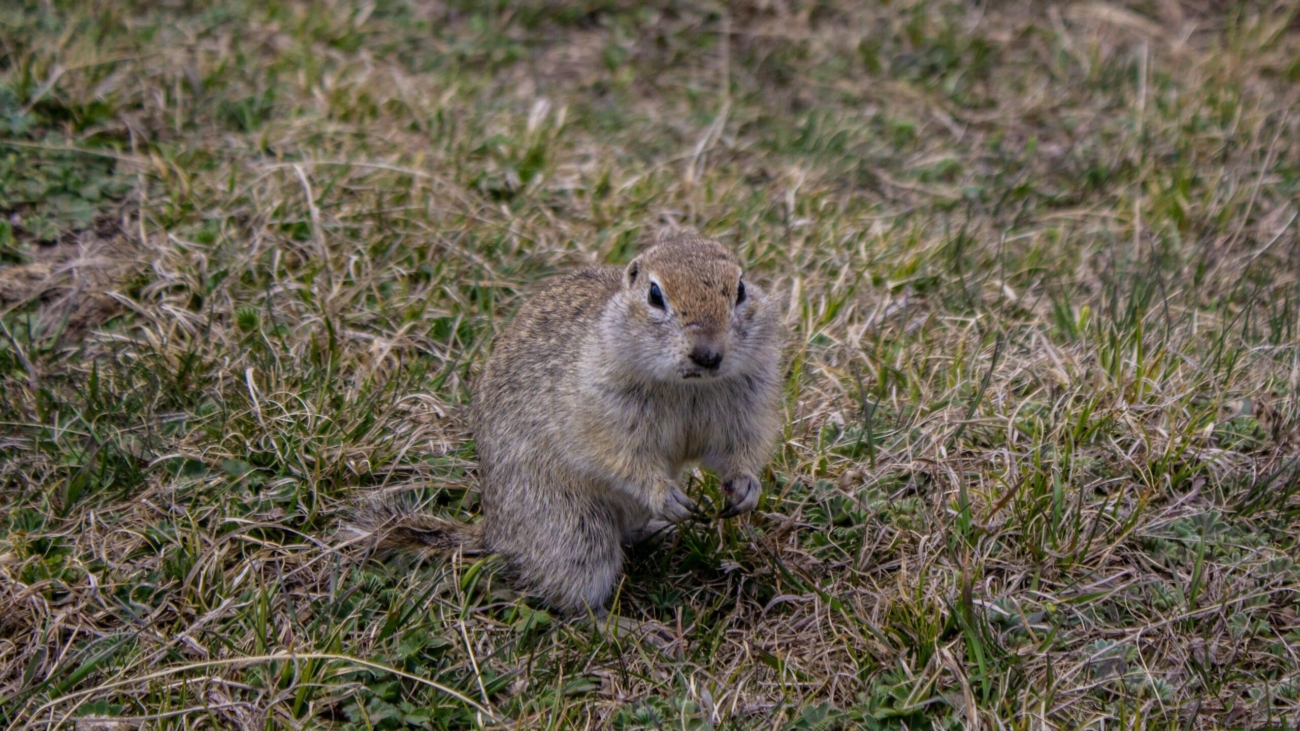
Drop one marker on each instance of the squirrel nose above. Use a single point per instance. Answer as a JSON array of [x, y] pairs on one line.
[[706, 357]]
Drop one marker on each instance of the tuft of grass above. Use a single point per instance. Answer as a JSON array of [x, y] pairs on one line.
[[1038, 264]]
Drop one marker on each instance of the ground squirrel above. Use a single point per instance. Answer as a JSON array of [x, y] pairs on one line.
[[608, 384]]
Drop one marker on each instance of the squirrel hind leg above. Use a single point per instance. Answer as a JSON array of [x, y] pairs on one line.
[[589, 594], [575, 576]]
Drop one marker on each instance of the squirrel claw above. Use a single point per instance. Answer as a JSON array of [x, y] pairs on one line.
[[679, 507], [742, 493]]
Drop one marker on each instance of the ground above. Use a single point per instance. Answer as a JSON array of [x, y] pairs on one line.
[[1038, 264]]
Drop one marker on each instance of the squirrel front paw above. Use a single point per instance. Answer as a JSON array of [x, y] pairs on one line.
[[742, 493], [677, 507]]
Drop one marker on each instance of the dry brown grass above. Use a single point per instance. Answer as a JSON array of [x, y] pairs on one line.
[[1039, 262]]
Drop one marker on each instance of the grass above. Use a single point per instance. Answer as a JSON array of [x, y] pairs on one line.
[[1038, 263]]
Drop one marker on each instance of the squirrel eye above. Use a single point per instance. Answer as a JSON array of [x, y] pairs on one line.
[[740, 292], [656, 296]]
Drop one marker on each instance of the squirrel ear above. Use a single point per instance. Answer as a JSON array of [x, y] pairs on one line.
[[629, 274]]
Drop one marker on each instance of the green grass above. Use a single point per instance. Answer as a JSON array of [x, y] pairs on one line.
[[1039, 265]]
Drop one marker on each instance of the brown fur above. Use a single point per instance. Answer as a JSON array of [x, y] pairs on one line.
[[397, 529], [590, 408]]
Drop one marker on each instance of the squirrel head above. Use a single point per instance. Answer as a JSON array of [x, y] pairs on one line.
[[686, 313]]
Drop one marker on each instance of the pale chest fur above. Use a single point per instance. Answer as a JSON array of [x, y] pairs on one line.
[[673, 426]]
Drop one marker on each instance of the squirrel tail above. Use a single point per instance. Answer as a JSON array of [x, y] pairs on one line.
[[398, 529]]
